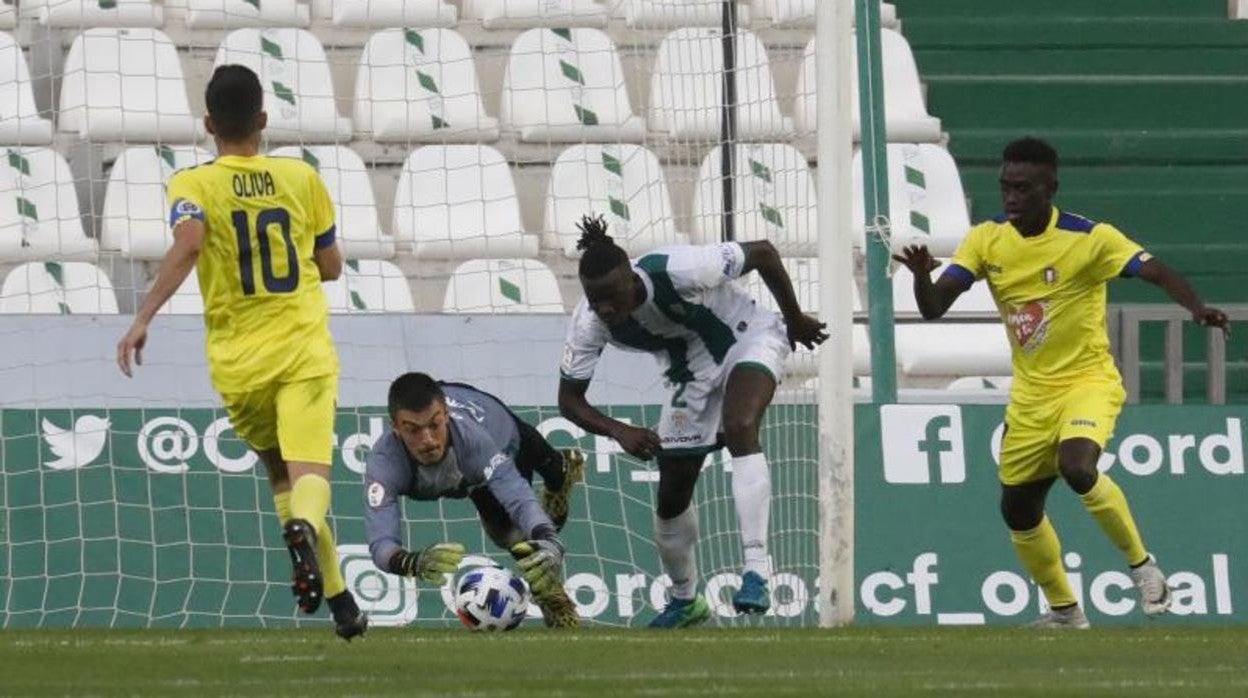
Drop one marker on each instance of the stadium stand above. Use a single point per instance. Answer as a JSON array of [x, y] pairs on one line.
[[773, 198], [502, 286], [135, 221], [125, 85], [345, 176], [75, 14], [382, 14], [925, 198], [59, 288], [39, 215], [525, 14], [8, 15], [670, 14], [801, 13], [623, 182], [567, 85], [234, 14], [20, 122], [440, 99], [186, 300], [950, 348], [368, 286]]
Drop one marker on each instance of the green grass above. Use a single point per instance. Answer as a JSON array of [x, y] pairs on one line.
[[608, 663]]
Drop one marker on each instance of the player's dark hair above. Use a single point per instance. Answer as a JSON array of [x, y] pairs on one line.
[[234, 97], [413, 391], [601, 253], [1032, 150]]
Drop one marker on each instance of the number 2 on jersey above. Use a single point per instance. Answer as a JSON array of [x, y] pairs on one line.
[[246, 269]]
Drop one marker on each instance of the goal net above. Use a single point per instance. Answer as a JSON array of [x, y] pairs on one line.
[[461, 142]]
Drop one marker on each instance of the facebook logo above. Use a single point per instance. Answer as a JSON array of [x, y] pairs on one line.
[[922, 444]]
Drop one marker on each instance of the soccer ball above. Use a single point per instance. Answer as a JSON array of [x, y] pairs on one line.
[[491, 598]]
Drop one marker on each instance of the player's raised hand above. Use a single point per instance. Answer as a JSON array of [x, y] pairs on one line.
[[917, 259], [1212, 317], [541, 564], [131, 344], [431, 564], [806, 331], [637, 441]]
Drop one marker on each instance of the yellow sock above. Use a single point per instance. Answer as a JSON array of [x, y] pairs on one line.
[[281, 502], [1041, 553], [309, 500], [1107, 504]]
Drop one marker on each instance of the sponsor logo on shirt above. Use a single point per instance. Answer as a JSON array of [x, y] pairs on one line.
[[993, 268], [376, 494], [495, 462], [730, 260], [1029, 324], [1080, 422]]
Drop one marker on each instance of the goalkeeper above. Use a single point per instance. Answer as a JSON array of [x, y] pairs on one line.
[[452, 440]]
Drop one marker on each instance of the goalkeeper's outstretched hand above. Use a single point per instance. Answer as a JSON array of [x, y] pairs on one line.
[[431, 564], [541, 564]]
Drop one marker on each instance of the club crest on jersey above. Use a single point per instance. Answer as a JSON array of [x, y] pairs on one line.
[[1050, 275], [1029, 324]]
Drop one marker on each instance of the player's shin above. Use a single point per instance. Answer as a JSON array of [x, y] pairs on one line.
[[1041, 554], [1108, 505], [751, 490], [675, 538]]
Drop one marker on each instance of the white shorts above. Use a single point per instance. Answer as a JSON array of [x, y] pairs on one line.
[[691, 418]]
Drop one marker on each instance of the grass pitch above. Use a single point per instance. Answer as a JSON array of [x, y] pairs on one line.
[[609, 663]]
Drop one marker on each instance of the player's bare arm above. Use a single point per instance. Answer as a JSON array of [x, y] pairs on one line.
[[761, 256], [636, 441], [1182, 292], [328, 262], [178, 263], [933, 297]]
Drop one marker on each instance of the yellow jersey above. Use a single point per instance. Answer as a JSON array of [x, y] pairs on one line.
[[265, 313], [1050, 291]]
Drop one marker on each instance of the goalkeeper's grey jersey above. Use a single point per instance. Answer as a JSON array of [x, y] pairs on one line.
[[483, 444], [693, 314]]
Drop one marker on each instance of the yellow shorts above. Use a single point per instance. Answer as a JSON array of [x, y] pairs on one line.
[[297, 418], [1034, 427]]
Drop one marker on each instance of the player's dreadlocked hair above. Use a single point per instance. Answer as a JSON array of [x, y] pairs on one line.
[[601, 253], [1032, 150]]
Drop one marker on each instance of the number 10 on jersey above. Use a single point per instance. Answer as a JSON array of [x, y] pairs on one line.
[[266, 220]]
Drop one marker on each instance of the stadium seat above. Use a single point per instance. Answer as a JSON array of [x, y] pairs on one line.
[[8, 16], [234, 14], [774, 198], [298, 89], [990, 384], [950, 348], [369, 286], [905, 114], [78, 14], [625, 183], [20, 122], [420, 85], [355, 208], [459, 202], [801, 13], [502, 286], [380, 14], [187, 300], [136, 218], [39, 216], [525, 14], [686, 88], [672, 14], [804, 272], [567, 85], [125, 85], [925, 199], [58, 288]]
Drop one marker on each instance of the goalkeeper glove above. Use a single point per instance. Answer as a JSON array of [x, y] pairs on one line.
[[431, 564], [541, 564]]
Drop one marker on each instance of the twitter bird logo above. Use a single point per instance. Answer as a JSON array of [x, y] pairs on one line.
[[77, 447]]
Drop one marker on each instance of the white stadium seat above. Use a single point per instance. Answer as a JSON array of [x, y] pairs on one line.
[[369, 286], [79, 14], [625, 183], [420, 85], [20, 122], [525, 14], [39, 216], [233, 14], [298, 88], [187, 300], [950, 348], [567, 85], [801, 13], [355, 208], [989, 384], [774, 198], [125, 85], [804, 273], [502, 286], [926, 202], [671, 14], [8, 15], [459, 202], [905, 114], [380, 14], [686, 88], [58, 288], [136, 219]]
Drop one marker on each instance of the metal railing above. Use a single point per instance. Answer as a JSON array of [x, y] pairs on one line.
[[1124, 336]]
